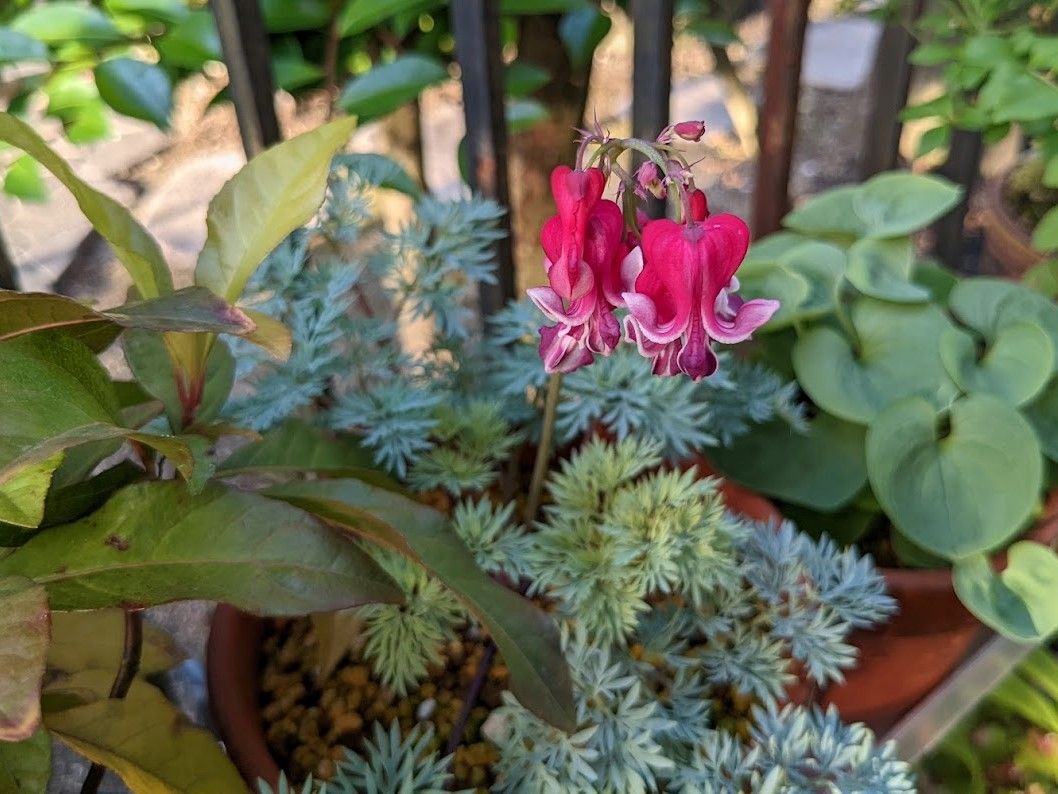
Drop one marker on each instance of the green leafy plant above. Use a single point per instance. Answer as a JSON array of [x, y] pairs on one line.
[[927, 397], [111, 497], [1009, 742], [682, 624], [998, 61]]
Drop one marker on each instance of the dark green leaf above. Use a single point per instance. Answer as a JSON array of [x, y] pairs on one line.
[[388, 86], [822, 469], [15, 47], [933, 54], [956, 485], [1019, 603], [190, 42], [933, 139], [23, 646], [296, 446], [521, 78], [526, 637], [530, 7], [24, 180], [57, 22], [26, 766], [360, 15], [137, 89], [581, 32], [285, 16], [293, 72], [144, 738], [155, 542], [136, 249]]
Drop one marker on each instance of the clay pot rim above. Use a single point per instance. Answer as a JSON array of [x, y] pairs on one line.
[[1044, 530]]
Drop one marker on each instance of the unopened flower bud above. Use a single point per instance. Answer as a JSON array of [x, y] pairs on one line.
[[690, 130], [648, 180]]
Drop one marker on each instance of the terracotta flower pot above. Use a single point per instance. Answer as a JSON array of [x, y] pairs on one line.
[[1007, 241], [902, 661], [233, 663]]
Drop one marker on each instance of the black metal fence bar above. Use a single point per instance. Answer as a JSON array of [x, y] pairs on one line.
[[890, 81], [652, 72], [476, 25], [778, 122], [248, 57], [962, 167]]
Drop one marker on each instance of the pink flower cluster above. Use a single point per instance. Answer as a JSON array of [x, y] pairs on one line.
[[676, 280]]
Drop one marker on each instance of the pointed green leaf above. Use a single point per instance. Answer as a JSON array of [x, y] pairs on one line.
[[148, 358], [900, 202], [1019, 603], [896, 357], [775, 282], [822, 469], [960, 486], [522, 78], [1014, 368], [273, 194], [191, 42], [144, 738], [526, 637], [24, 180], [23, 647], [581, 32], [882, 269], [93, 640], [1045, 235], [132, 245], [155, 542], [23, 491], [192, 309], [388, 86], [25, 766], [136, 89], [360, 15], [58, 22], [296, 446]]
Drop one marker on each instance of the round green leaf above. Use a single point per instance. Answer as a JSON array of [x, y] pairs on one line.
[[828, 213], [386, 87], [958, 490], [1015, 367], [822, 468], [1042, 414], [898, 203], [522, 78], [1019, 603], [768, 249], [897, 357], [135, 88], [822, 266], [882, 269], [15, 47], [988, 304], [284, 16], [58, 22]]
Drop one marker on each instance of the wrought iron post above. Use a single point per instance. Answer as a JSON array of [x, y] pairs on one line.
[[652, 73]]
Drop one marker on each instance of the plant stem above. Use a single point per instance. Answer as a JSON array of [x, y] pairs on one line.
[[470, 697], [130, 665], [543, 452]]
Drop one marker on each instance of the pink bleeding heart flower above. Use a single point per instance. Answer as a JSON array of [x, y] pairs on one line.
[[582, 306], [577, 193], [682, 297]]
